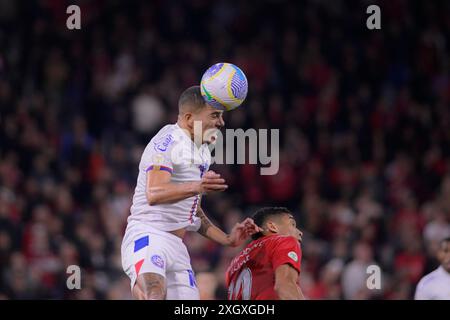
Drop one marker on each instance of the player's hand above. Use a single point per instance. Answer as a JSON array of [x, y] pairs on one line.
[[241, 231], [212, 182]]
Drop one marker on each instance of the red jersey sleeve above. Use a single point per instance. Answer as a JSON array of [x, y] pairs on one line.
[[286, 250]]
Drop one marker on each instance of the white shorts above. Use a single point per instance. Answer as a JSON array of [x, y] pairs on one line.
[[163, 253]]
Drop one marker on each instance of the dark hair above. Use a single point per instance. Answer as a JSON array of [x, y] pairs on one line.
[[261, 216], [191, 97]]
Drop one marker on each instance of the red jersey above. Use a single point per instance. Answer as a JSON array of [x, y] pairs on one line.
[[251, 274]]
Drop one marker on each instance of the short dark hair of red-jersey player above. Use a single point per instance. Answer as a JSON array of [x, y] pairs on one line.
[[268, 268]]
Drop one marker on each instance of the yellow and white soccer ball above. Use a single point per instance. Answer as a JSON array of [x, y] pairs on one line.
[[224, 86]]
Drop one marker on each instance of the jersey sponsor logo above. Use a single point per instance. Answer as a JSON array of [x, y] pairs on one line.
[[293, 256], [163, 143], [158, 261]]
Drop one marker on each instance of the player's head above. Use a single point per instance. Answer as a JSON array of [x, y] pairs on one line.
[[192, 107], [276, 220], [443, 254]]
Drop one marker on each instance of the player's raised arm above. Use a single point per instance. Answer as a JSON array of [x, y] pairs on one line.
[[286, 279], [160, 190], [239, 233]]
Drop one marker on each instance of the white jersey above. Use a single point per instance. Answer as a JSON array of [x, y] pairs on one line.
[[172, 150], [434, 286]]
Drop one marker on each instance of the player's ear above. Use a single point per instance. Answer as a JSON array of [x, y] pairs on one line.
[[189, 119], [272, 227]]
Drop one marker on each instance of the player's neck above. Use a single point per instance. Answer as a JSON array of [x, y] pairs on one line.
[[186, 130], [445, 271]]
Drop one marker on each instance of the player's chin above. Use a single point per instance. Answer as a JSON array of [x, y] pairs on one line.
[[210, 140], [212, 135]]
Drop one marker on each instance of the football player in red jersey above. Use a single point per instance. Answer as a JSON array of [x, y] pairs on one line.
[[268, 268]]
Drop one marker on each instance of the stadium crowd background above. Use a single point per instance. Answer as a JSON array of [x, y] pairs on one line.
[[365, 134]]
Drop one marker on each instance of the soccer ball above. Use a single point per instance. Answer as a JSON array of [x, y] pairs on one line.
[[224, 86]]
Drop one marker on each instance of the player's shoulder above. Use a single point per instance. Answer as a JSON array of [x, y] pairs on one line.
[[429, 279], [164, 139]]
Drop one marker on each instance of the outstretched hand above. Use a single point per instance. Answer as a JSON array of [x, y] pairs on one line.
[[212, 182], [241, 231]]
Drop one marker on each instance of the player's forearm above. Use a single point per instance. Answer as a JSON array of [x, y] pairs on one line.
[[289, 291], [172, 192], [215, 234], [210, 231], [302, 297]]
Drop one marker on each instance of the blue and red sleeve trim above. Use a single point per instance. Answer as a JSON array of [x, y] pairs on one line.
[[164, 168]]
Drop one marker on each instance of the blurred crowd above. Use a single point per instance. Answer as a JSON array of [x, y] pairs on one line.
[[364, 119]]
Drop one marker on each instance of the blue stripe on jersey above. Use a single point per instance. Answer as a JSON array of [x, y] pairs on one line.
[[140, 243], [191, 278]]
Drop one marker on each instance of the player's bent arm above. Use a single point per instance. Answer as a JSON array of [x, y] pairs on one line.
[[286, 278], [160, 190]]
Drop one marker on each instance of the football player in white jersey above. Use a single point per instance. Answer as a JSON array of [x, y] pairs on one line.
[[173, 176], [436, 284]]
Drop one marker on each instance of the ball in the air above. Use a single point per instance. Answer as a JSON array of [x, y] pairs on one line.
[[224, 86]]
